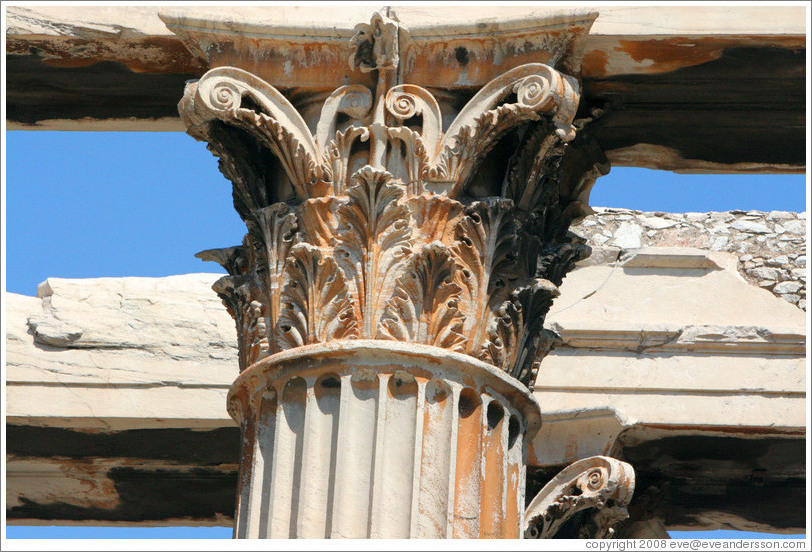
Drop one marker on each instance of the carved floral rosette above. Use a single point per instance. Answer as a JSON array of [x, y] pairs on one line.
[[383, 223]]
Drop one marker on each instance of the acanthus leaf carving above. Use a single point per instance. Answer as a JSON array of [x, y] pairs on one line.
[[513, 335], [495, 91], [538, 89], [423, 308], [458, 159], [485, 248], [301, 165], [372, 240], [241, 295], [551, 181], [534, 161], [599, 483], [557, 258], [316, 305], [275, 229]]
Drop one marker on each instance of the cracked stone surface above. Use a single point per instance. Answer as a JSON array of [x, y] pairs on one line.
[[128, 330]]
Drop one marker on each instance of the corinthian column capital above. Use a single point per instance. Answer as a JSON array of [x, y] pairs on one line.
[[404, 246], [396, 223]]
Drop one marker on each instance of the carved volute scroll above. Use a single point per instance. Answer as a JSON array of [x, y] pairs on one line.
[[391, 219], [599, 485]]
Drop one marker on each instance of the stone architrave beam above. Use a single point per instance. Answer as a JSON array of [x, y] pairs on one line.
[[682, 88]]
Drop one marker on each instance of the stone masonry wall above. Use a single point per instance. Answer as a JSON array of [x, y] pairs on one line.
[[771, 246]]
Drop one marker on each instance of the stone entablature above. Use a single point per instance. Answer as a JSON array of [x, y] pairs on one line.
[[771, 246], [692, 71]]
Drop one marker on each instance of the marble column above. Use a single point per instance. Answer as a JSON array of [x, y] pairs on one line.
[[404, 246]]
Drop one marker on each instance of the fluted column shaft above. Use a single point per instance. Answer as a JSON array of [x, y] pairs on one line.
[[364, 439]]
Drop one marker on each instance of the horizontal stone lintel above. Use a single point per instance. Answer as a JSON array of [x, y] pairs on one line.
[[694, 94], [66, 485], [711, 340]]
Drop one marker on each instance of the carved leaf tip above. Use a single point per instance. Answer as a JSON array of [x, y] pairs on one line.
[[315, 305], [514, 334], [232, 259], [424, 307]]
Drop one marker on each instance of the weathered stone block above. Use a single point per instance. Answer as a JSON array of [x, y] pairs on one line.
[[777, 261], [787, 287], [628, 236], [657, 222], [795, 226], [764, 273], [750, 227]]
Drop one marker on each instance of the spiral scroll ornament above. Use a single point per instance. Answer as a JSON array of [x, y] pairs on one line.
[[226, 96], [356, 104], [533, 91], [593, 480], [601, 485], [402, 105]]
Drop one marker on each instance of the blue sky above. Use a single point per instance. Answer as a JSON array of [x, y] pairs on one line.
[[225, 533], [84, 205]]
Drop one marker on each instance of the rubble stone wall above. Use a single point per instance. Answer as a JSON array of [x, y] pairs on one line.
[[771, 246]]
